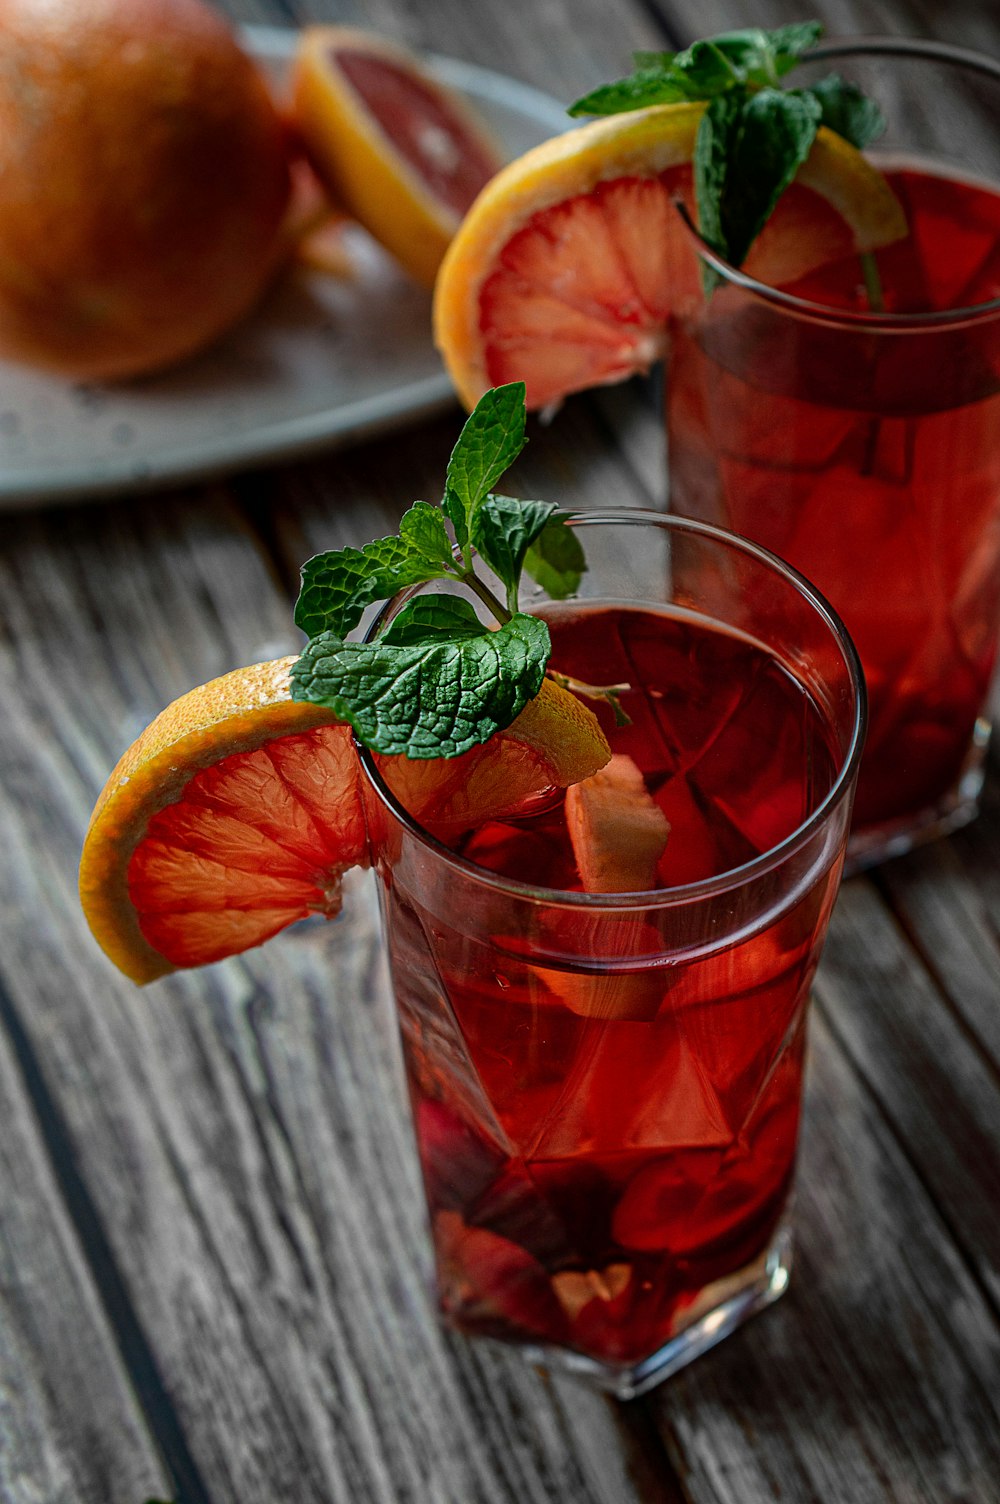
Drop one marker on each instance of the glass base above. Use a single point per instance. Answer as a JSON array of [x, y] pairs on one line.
[[878, 843], [720, 1308]]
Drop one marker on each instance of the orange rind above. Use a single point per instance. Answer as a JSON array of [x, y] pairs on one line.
[[238, 811], [399, 151], [567, 267]]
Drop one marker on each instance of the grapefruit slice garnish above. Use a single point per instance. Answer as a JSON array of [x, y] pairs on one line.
[[618, 831], [397, 149], [238, 811], [565, 270], [554, 742]]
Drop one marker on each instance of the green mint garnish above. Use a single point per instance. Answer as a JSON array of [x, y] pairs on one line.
[[448, 685], [437, 682], [555, 560], [771, 138], [503, 529], [489, 443], [336, 587], [754, 135], [847, 111]]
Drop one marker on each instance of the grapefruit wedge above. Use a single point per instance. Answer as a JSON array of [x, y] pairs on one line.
[[397, 150], [555, 742], [618, 831], [238, 811], [566, 268]]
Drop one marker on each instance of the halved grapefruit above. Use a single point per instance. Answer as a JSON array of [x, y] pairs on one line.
[[399, 151], [238, 811], [565, 270]]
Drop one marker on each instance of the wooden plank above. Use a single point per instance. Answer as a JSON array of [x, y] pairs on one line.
[[71, 1428], [241, 1132], [931, 1081], [877, 1378], [948, 901]]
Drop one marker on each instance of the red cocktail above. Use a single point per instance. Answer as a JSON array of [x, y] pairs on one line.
[[863, 445], [606, 1086]]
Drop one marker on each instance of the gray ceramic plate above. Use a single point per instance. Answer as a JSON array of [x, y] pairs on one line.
[[322, 362]]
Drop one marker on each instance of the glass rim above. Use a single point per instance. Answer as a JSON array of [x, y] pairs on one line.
[[917, 49], [682, 893]]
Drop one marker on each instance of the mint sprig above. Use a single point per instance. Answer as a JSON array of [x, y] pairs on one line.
[[755, 134], [489, 443], [437, 693], [437, 682]]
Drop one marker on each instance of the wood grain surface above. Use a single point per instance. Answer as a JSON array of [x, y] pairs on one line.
[[212, 1246]]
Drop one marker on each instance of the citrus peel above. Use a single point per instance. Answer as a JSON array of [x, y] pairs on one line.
[[238, 810], [399, 151], [565, 270]]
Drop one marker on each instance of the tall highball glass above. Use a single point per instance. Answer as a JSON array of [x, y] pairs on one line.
[[606, 1086], [850, 422]]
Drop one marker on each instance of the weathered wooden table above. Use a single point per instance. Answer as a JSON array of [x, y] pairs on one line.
[[211, 1282]]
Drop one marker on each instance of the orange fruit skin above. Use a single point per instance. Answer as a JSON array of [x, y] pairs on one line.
[[555, 741], [357, 160], [143, 183], [239, 712], [238, 810]]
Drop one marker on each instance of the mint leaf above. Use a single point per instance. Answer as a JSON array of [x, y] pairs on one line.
[[750, 51], [663, 78], [764, 57], [555, 560], [789, 42], [491, 440], [774, 134], [847, 111], [706, 70], [424, 530], [647, 86], [427, 699], [429, 617], [503, 530], [714, 147], [338, 585]]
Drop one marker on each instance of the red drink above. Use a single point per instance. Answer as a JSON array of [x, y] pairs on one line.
[[614, 1142], [606, 1089], [867, 454]]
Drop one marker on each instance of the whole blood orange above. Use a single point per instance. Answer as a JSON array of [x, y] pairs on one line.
[[143, 183]]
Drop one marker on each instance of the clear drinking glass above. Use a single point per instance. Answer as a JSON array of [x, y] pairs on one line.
[[862, 443], [606, 1087]]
